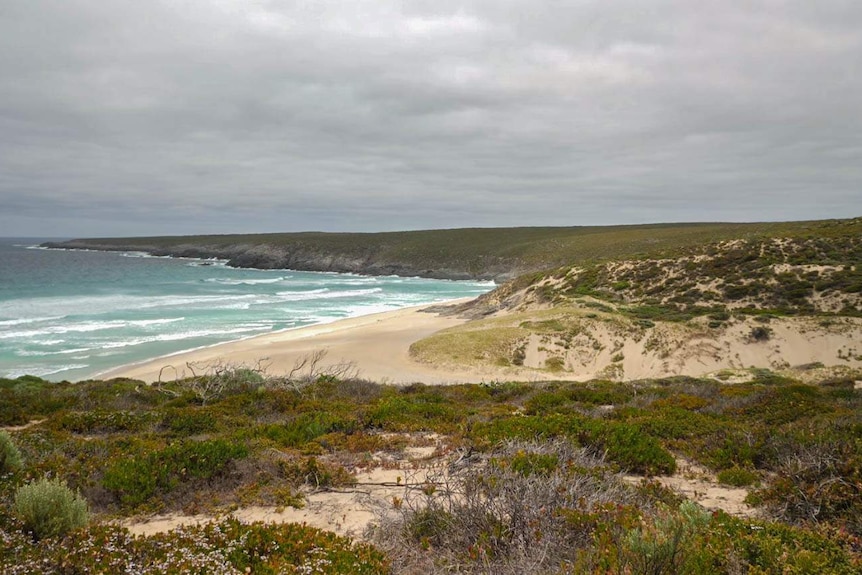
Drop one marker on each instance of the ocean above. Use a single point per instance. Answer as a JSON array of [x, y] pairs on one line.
[[70, 315]]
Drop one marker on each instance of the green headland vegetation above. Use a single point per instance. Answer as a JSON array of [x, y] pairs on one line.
[[479, 253]]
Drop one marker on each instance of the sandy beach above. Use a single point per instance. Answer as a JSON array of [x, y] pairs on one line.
[[377, 344]]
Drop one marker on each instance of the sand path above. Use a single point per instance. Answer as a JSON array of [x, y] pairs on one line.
[[350, 511], [696, 483], [346, 511]]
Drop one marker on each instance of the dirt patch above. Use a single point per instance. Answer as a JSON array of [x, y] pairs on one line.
[[344, 510], [700, 485]]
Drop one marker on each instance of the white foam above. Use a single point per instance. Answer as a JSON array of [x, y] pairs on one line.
[[47, 341], [46, 353], [137, 255], [86, 327], [207, 263], [246, 282], [23, 321], [326, 294], [151, 322], [179, 336], [43, 370], [61, 306]]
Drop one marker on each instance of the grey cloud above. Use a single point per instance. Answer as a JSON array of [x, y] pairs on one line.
[[242, 116]]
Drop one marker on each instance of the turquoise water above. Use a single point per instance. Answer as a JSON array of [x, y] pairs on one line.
[[70, 315]]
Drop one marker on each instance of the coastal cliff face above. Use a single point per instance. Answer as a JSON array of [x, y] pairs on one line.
[[307, 257]]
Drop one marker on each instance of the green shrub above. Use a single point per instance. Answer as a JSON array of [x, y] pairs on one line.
[[600, 393], [136, 480], [48, 508], [624, 444], [10, 456], [659, 313], [555, 363], [316, 473], [788, 403], [664, 545], [818, 482], [419, 412], [629, 447], [737, 477], [760, 333], [527, 463], [226, 547], [309, 426], [547, 402], [186, 421], [101, 421]]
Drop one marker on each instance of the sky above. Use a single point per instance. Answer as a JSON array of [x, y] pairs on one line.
[[130, 118]]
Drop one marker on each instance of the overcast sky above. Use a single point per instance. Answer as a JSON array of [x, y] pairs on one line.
[[123, 117]]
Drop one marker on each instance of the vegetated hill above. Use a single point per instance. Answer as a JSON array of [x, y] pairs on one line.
[[817, 273], [479, 253], [766, 302]]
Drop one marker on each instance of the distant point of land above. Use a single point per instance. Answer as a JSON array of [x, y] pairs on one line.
[[498, 254]]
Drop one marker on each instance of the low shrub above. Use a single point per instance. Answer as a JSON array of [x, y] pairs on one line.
[[309, 426], [136, 480], [737, 477], [760, 333], [186, 421], [623, 443], [100, 421], [10, 455], [817, 483], [228, 547], [414, 412], [315, 473], [518, 514], [664, 545], [628, 446], [527, 463], [555, 363], [788, 403], [548, 402], [48, 508]]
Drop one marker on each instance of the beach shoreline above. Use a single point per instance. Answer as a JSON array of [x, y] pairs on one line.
[[375, 345]]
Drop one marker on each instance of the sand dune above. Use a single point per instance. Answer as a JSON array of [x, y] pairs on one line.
[[378, 347]]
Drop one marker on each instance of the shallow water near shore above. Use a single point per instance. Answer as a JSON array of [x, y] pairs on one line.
[[69, 315]]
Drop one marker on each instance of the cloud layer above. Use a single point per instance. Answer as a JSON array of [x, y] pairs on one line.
[[205, 116]]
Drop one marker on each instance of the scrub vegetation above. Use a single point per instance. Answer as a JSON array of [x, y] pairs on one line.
[[792, 274], [541, 491]]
